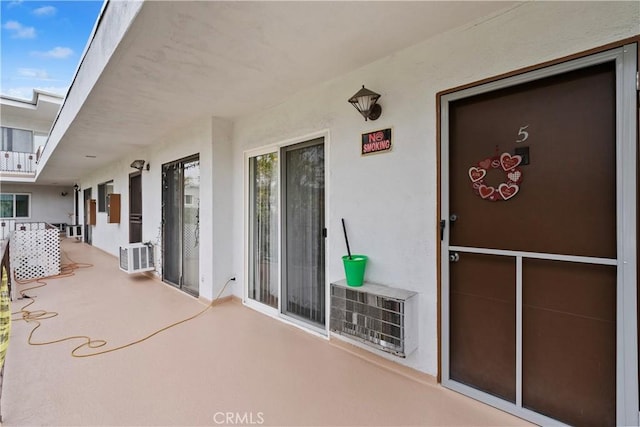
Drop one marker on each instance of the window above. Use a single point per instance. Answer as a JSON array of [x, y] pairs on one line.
[[104, 190], [188, 199], [15, 205], [16, 140]]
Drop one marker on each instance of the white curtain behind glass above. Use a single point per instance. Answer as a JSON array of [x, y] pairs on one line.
[[304, 240], [263, 275]]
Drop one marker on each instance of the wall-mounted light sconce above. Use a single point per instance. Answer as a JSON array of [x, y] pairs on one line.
[[365, 101], [139, 164], [76, 188], [64, 193]]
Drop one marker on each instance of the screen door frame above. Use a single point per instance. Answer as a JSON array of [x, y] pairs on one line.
[[627, 408]]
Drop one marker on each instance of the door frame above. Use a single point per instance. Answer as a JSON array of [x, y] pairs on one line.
[[625, 57], [131, 176], [277, 313]]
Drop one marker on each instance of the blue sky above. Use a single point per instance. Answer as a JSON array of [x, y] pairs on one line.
[[41, 43]]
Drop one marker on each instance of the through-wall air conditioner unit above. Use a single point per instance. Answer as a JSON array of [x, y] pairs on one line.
[[378, 316], [136, 258], [75, 230]]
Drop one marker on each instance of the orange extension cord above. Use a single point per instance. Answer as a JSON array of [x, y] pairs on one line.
[[68, 270]]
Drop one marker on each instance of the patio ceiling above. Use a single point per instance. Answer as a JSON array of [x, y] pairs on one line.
[[183, 60]]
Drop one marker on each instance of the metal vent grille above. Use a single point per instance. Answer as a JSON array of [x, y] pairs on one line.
[[372, 318], [124, 259], [137, 257], [75, 230]]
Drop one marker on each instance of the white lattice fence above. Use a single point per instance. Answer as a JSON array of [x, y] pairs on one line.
[[35, 253]]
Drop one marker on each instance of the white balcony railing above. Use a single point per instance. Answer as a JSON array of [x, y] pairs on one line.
[[16, 162]]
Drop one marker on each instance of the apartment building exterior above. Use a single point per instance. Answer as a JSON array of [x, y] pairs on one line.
[[504, 202], [25, 128]]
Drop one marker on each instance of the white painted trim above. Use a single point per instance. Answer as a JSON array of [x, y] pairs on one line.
[[304, 325], [246, 183], [327, 209], [444, 253], [519, 331], [536, 255], [279, 232], [627, 335], [245, 227], [627, 407], [262, 308], [276, 148], [273, 313]]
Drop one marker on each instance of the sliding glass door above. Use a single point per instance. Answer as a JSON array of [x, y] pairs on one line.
[[263, 229], [181, 224], [286, 248], [303, 234]]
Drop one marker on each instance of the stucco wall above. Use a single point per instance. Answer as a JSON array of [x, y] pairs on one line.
[[390, 200], [47, 202], [194, 138]]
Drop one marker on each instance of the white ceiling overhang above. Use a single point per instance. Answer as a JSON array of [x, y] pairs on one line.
[[182, 60]]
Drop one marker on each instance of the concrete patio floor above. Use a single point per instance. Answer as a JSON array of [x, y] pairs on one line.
[[231, 361]]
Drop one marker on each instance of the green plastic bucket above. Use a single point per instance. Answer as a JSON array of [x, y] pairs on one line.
[[354, 269]]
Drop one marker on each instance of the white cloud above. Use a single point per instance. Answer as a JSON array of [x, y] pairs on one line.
[[45, 11], [55, 53], [15, 3], [33, 73], [19, 31]]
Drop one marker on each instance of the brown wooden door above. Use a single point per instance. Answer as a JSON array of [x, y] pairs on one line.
[[135, 207], [541, 257]]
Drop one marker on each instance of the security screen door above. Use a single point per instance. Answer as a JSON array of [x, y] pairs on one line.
[[286, 245], [530, 248], [181, 223], [87, 227], [135, 207], [303, 271]]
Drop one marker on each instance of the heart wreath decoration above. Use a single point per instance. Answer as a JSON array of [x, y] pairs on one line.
[[506, 190]]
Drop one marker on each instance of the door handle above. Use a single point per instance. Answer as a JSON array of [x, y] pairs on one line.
[[454, 257]]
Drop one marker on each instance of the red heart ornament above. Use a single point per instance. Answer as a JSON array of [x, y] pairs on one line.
[[507, 191], [486, 192], [507, 161], [485, 164], [476, 174], [515, 176]]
